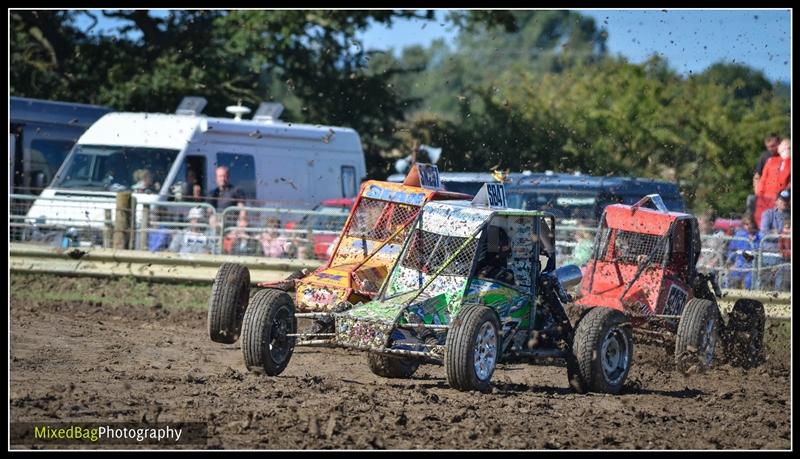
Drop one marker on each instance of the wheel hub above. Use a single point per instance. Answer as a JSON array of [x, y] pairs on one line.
[[709, 341], [614, 355], [485, 351]]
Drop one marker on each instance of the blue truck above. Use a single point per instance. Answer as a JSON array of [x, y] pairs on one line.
[[41, 133]]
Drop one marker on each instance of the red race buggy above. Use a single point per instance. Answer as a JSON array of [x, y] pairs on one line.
[[644, 264]]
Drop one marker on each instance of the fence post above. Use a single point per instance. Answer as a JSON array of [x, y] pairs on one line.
[[143, 228], [221, 224], [122, 221], [757, 280], [108, 230], [133, 234]]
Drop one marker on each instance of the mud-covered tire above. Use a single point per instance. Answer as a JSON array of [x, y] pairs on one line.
[[475, 330], [269, 318], [744, 334], [699, 329], [388, 366], [228, 301], [602, 352]]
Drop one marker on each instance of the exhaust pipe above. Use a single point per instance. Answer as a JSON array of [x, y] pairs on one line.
[[569, 276]]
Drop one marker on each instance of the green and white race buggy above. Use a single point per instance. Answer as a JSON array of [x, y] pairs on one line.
[[441, 305]]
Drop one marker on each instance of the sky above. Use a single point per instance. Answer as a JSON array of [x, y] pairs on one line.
[[690, 40]]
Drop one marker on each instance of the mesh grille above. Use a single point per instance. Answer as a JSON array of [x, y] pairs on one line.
[[428, 252], [378, 220], [634, 248]]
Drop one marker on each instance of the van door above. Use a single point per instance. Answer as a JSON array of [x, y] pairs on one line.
[[192, 171]]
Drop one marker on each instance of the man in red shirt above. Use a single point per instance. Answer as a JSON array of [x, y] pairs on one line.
[[776, 176], [771, 143]]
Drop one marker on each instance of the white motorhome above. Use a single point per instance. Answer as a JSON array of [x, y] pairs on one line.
[[274, 163]]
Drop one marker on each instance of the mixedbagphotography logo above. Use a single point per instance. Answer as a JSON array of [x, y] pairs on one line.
[[99, 433]]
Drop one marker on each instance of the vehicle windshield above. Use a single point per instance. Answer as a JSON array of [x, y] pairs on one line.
[[563, 205], [373, 223], [428, 256], [115, 168], [633, 248]]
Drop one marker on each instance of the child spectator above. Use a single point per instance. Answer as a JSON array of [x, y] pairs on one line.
[[158, 235], [193, 239], [273, 243], [741, 252], [238, 241]]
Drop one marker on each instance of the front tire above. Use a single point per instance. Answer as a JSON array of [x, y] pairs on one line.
[[697, 336], [228, 302], [472, 349], [602, 352], [268, 320]]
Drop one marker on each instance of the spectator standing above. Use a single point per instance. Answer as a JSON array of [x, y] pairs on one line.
[[583, 248], [775, 177], [712, 255], [226, 194], [193, 239], [741, 252], [771, 143], [771, 229], [192, 190]]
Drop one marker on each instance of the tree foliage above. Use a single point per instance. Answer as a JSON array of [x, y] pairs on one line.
[[519, 89]]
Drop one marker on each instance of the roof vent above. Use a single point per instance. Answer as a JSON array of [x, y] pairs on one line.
[[268, 111], [237, 111], [191, 105]]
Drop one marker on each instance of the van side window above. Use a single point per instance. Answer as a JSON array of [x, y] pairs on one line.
[[348, 181], [47, 155], [190, 183], [242, 171]]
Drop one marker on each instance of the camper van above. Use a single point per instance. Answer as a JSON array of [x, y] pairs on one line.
[[273, 163], [41, 134]]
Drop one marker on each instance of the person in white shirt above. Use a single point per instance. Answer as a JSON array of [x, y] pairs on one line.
[[193, 239]]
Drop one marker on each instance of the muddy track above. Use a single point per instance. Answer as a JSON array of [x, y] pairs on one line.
[[84, 361]]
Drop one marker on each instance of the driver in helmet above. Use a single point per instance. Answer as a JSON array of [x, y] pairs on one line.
[[496, 251]]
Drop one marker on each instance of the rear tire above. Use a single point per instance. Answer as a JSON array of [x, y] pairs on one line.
[[602, 352], [267, 321], [389, 366], [697, 336], [228, 302], [472, 349], [744, 334]]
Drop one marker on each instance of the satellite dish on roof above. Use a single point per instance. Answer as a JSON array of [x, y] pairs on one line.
[[237, 111], [268, 111], [191, 105]]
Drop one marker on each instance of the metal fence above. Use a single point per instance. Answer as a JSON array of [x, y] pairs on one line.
[[309, 235]]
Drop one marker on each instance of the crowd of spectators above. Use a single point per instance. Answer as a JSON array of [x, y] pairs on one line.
[[760, 241], [199, 230]]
